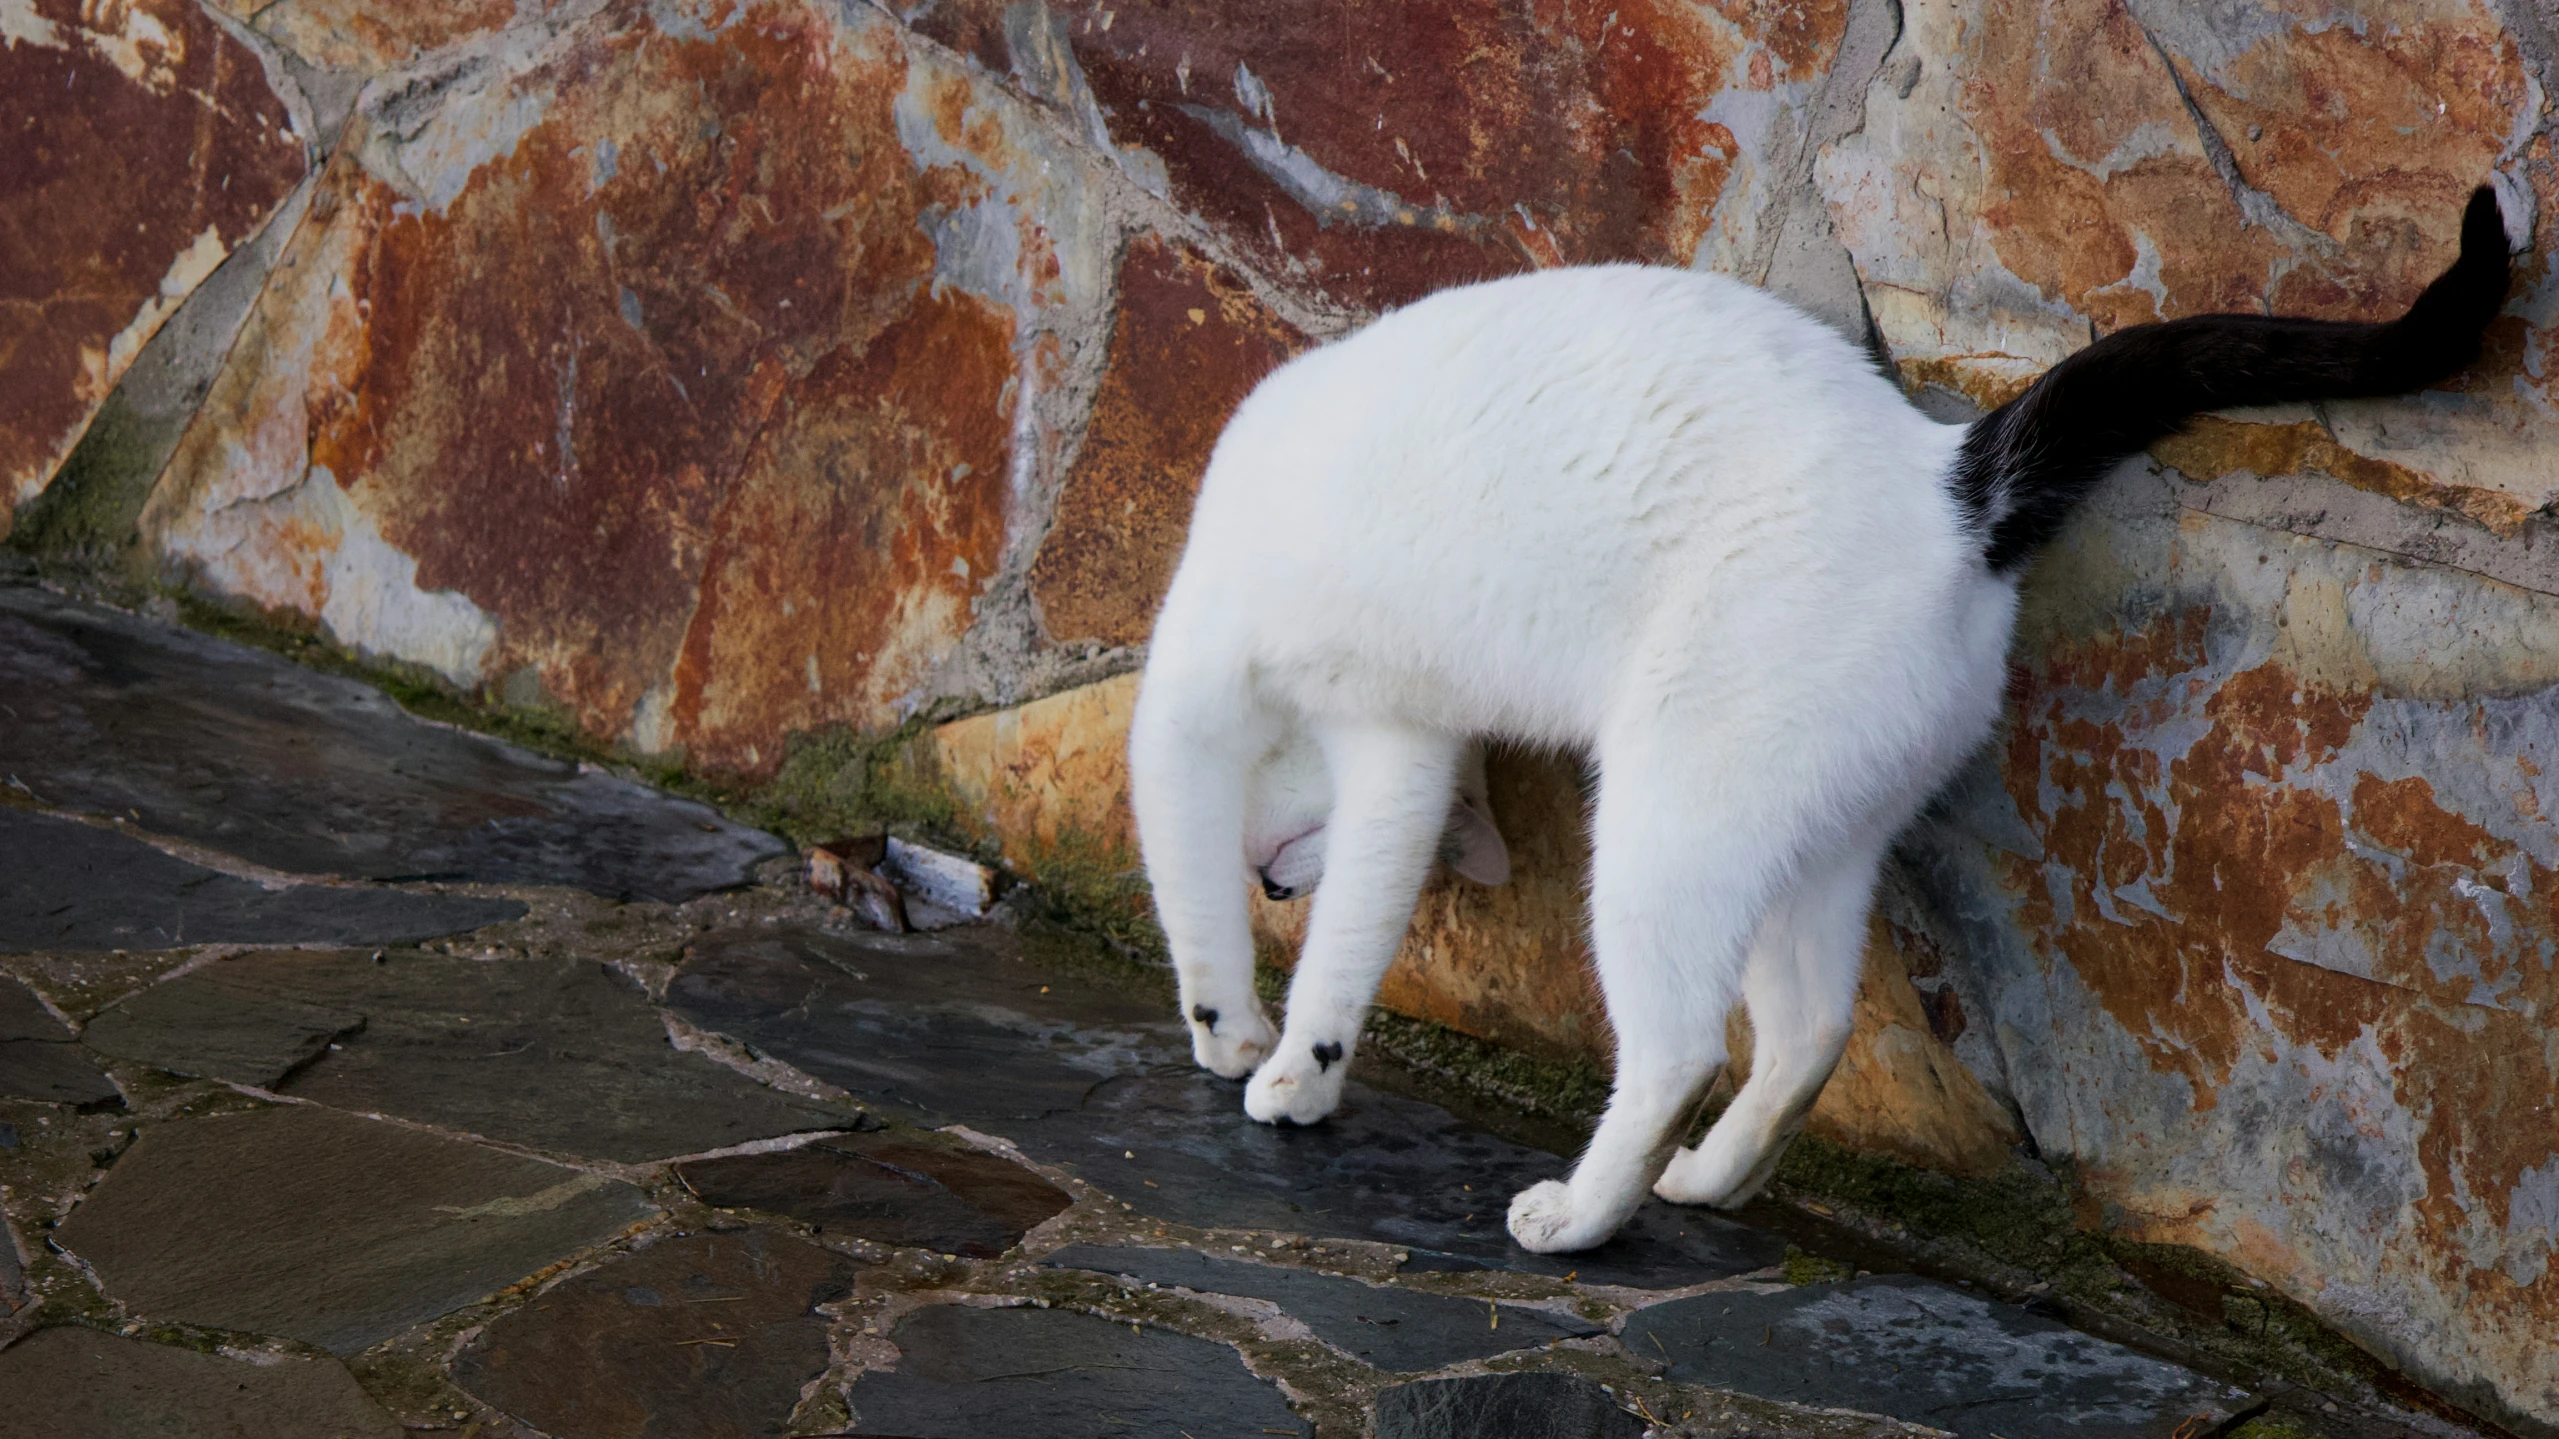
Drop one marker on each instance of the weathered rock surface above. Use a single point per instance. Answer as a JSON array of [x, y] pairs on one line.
[[1393, 1329], [315, 774], [1189, 341], [1106, 1087], [555, 1055], [735, 315], [336, 1231], [157, 148], [966, 1372], [1516, 1406], [712, 1335], [2021, 182], [1916, 1349], [2247, 904], [68, 885], [1321, 142], [895, 1188], [71, 1383]]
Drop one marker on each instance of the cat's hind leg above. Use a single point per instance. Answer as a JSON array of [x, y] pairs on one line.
[[1192, 741], [1679, 884], [1801, 986], [1391, 790]]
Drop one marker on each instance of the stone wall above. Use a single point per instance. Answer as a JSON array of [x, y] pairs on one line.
[[717, 372]]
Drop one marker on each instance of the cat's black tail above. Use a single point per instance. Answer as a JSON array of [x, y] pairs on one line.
[[2024, 465]]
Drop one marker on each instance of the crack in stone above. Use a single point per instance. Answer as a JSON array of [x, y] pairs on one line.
[[2255, 206]]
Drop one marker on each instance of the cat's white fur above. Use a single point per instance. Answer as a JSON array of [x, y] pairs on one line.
[[1655, 515]]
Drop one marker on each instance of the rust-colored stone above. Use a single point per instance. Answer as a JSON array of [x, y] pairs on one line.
[[882, 474], [1383, 152], [640, 361], [2212, 448], [139, 145], [2032, 172], [372, 34], [1190, 342], [2261, 904]]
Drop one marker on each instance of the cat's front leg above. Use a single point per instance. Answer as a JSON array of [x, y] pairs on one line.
[[1229, 1039], [1392, 787], [1301, 1084]]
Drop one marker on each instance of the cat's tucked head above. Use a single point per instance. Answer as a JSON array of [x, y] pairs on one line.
[[1289, 798]]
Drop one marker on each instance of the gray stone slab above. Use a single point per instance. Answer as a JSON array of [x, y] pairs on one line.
[[968, 1373], [318, 1226], [900, 1187], [1513, 1406], [299, 771], [24, 1016], [80, 1384], [702, 1337], [67, 885], [956, 1028], [1916, 1349], [38, 1058], [201, 1025], [1402, 1330], [556, 1055]]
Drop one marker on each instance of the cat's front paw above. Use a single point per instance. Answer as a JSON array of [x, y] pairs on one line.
[[1230, 1046], [1719, 1176], [1545, 1221], [1299, 1085]]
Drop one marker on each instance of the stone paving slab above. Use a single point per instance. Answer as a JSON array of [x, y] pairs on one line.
[[198, 1025], [1916, 1349], [71, 1383], [318, 1226], [710, 1336], [309, 773], [966, 1373], [68, 885], [1512, 1406], [1393, 1329], [556, 1055], [895, 1188], [39, 1059], [956, 1028]]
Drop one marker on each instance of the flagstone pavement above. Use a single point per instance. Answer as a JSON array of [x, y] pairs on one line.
[[361, 1076]]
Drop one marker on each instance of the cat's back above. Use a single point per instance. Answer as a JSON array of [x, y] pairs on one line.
[[1518, 481], [1595, 399]]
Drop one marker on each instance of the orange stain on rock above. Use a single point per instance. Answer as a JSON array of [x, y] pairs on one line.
[[1189, 343]]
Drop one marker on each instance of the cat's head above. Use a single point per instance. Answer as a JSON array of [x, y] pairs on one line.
[[1289, 800]]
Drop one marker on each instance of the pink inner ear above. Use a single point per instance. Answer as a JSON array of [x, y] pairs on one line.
[[1480, 854]]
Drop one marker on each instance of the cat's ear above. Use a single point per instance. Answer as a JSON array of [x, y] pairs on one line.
[[1473, 847]]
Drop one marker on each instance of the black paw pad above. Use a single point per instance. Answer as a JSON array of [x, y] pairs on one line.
[[1206, 1016], [1327, 1054], [1277, 893]]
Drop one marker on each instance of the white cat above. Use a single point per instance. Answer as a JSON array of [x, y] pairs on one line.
[[1672, 521]]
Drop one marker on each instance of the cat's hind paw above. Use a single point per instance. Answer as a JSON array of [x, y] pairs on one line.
[[1718, 1176], [1299, 1085], [1544, 1220], [1231, 1046]]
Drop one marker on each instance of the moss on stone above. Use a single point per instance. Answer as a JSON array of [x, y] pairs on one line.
[[841, 780], [1801, 1267], [90, 514], [1572, 1092], [2267, 1426]]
